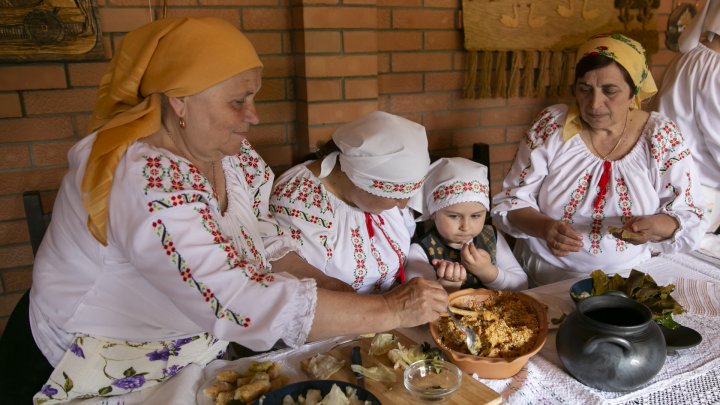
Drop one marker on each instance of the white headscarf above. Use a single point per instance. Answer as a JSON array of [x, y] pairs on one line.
[[452, 181], [381, 153], [706, 20]]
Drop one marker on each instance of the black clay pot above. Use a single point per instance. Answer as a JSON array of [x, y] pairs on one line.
[[611, 343]]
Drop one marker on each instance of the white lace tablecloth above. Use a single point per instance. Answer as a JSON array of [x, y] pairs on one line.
[[690, 376]]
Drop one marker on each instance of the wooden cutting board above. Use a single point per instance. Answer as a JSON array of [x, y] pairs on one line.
[[471, 392]]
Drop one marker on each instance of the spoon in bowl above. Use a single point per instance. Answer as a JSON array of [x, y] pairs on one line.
[[470, 335]]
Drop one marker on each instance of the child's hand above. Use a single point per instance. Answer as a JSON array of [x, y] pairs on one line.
[[479, 263], [450, 271]]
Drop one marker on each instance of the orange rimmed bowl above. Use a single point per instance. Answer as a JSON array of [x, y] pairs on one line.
[[491, 367]]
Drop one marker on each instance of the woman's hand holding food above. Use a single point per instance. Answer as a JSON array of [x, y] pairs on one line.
[[479, 263], [416, 302], [562, 239], [649, 228]]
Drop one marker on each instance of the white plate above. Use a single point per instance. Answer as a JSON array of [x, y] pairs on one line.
[[557, 308]]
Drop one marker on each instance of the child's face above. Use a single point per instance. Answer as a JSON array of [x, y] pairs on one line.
[[460, 222]]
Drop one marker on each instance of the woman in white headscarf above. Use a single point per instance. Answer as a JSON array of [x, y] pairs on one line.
[[690, 95], [348, 210], [161, 249]]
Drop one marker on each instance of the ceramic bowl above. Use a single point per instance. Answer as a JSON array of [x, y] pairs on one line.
[[432, 380], [491, 367]]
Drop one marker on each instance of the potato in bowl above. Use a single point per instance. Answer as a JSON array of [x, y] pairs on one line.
[[511, 327]]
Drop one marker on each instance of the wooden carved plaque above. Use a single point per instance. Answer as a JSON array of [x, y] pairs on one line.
[[47, 30]]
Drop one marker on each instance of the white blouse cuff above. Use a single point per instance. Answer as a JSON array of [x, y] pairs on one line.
[[298, 322]]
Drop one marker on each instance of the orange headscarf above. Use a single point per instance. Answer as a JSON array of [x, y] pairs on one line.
[[174, 56]]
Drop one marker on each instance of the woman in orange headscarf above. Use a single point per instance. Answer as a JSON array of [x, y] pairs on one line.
[[161, 249], [599, 164]]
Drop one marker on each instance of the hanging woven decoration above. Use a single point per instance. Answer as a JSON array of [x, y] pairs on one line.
[[527, 47]]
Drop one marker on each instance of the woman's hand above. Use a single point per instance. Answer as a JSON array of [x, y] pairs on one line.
[[416, 302], [562, 239], [479, 263], [650, 228]]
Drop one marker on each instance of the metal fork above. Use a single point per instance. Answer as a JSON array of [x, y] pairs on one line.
[[470, 335]]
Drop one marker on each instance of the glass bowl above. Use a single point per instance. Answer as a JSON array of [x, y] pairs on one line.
[[432, 380]]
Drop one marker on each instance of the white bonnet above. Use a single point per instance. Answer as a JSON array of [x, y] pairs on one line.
[[454, 180], [383, 154]]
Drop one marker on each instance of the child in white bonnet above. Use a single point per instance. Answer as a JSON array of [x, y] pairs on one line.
[[464, 252]]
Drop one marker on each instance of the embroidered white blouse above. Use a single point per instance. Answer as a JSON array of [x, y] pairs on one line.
[[174, 266], [560, 179], [690, 95], [336, 238]]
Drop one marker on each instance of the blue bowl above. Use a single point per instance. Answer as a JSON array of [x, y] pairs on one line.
[[302, 387], [583, 286]]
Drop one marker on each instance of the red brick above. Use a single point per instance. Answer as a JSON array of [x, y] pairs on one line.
[[13, 232], [451, 120], [507, 116], [384, 18], [11, 207], [10, 105], [423, 19], [400, 40], [444, 81], [17, 182], [340, 17], [14, 157], [492, 136], [331, 66], [322, 90], [400, 83], [26, 77], [503, 153], [400, 3], [438, 140], [33, 129], [157, 4], [266, 42], [322, 41], [272, 90], [15, 256], [383, 62], [442, 40], [230, 15], [53, 153], [478, 103], [86, 74], [360, 2], [262, 19], [276, 112], [361, 88], [243, 3], [360, 41], [60, 101], [516, 134], [662, 58], [421, 61], [81, 123], [17, 280], [277, 66], [276, 155], [419, 103], [123, 19], [338, 112], [274, 134], [442, 4]]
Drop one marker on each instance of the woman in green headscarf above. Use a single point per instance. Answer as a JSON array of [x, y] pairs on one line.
[[161, 249], [601, 184]]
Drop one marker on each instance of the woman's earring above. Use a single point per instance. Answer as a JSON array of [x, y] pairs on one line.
[[181, 122]]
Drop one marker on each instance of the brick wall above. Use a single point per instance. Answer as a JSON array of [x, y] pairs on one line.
[[326, 63]]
